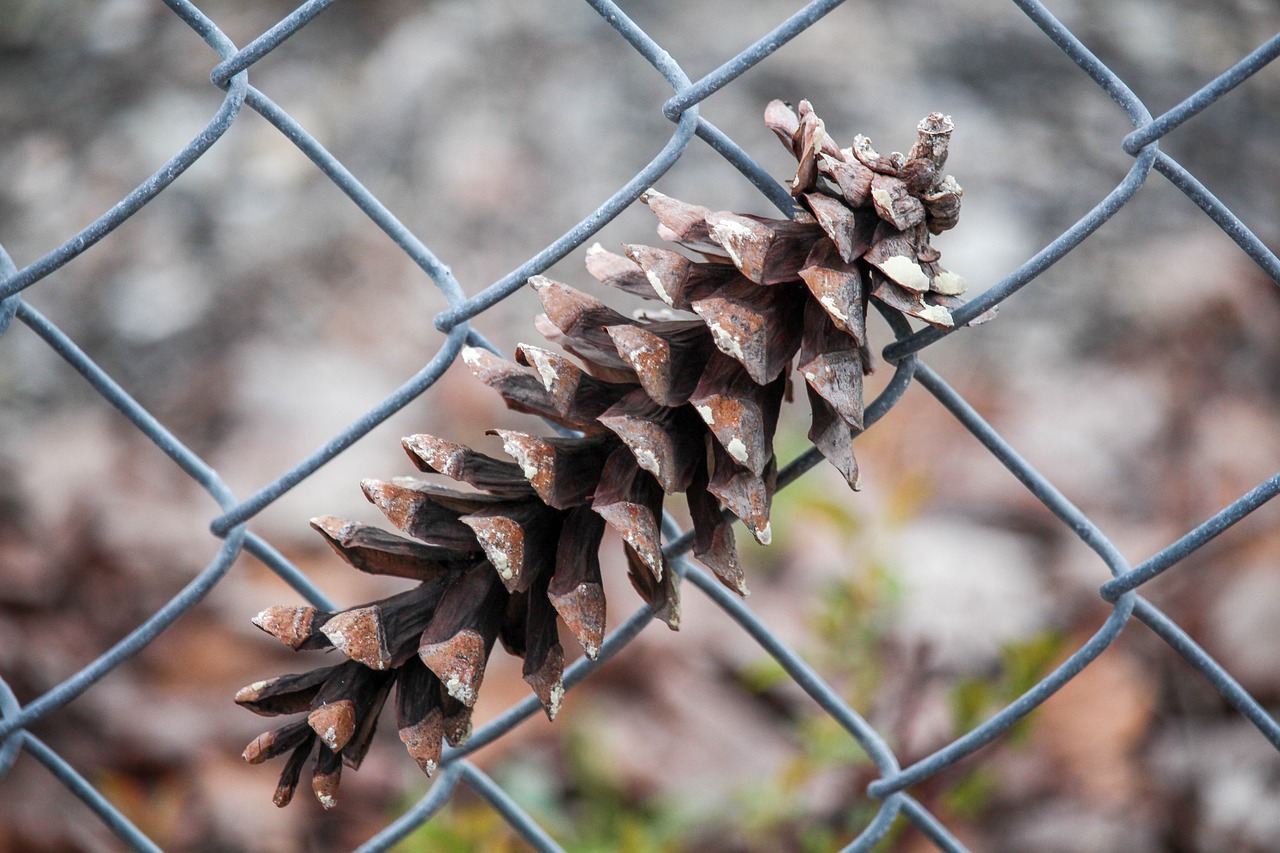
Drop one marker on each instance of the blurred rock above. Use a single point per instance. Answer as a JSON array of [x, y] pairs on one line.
[[1242, 631], [1224, 773], [966, 592]]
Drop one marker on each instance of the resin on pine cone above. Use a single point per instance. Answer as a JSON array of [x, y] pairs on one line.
[[685, 403]]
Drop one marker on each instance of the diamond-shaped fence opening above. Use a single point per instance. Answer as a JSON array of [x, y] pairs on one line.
[[312, 239]]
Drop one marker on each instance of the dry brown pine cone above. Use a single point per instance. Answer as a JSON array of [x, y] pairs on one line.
[[662, 405]]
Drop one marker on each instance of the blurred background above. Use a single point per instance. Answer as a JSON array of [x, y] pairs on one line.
[[256, 312]]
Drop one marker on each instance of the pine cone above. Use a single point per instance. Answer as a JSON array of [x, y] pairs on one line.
[[659, 405]]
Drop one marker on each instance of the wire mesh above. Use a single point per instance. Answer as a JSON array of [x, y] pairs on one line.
[[891, 790]]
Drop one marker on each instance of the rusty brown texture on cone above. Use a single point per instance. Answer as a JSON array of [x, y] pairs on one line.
[[277, 742], [575, 589], [383, 635], [284, 694], [377, 552], [667, 357], [456, 644], [630, 501], [423, 512], [292, 773], [326, 778], [458, 462], [561, 470], [683, 400], [577, 396], [296, 627], [419, 714]]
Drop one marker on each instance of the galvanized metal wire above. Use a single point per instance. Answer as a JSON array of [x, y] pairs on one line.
[[231, 70]]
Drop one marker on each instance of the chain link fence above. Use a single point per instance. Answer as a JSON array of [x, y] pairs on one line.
[[891, 791]]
